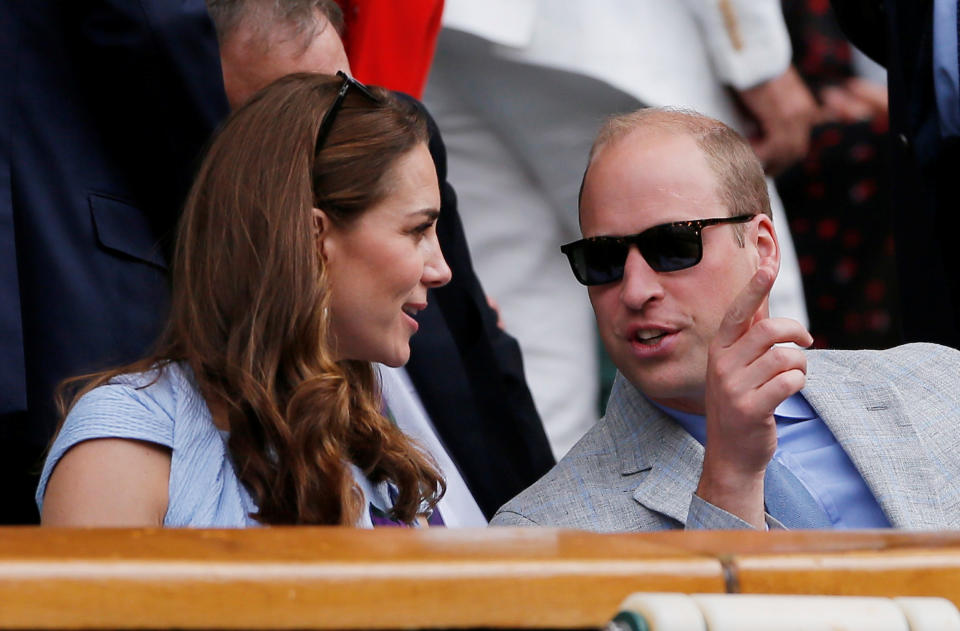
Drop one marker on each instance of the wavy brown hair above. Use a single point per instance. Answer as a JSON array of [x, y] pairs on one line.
[[249, 303]]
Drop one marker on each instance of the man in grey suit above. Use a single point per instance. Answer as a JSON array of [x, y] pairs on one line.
[[716, 420]]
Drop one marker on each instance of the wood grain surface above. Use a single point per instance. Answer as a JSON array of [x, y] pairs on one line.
[[335, 578]]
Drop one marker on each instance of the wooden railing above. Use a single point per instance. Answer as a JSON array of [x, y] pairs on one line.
[[331, 578]]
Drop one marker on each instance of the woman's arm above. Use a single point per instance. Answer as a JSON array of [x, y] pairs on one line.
[[109, 482]]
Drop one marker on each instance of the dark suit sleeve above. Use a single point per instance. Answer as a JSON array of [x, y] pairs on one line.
[[469, 373], [114, 101]]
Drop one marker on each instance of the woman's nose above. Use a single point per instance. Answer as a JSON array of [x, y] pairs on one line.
[[436, 272]]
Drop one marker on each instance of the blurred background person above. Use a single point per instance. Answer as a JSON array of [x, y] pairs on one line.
[[916, 40], [838, 196]]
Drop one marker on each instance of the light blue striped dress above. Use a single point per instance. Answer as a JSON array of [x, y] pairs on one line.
[[204, 490]]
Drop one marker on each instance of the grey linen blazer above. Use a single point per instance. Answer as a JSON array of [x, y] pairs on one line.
[[896, 413]]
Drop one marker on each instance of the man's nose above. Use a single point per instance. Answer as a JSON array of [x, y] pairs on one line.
[[436, 272], [640, 283]]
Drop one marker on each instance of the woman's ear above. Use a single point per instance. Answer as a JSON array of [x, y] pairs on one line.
[[321, 231]]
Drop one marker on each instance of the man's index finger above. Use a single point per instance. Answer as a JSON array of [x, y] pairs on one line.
[[744, 308]]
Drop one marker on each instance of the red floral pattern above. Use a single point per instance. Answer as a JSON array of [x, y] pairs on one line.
[[838, 202]]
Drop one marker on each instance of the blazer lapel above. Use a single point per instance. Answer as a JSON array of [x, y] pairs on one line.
[[646, 439], [870, 423]]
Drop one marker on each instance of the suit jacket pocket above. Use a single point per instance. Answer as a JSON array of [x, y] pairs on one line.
[[122, 228]]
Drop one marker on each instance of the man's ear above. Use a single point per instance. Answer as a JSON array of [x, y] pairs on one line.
[[321, 231], [765, 240]]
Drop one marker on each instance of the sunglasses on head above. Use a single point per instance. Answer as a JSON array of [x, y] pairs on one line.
[[666, 248], [327, 122]]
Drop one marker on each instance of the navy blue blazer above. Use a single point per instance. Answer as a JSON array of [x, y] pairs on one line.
[[104, 106]]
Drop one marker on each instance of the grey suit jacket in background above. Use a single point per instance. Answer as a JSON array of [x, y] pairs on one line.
[[896, 413]]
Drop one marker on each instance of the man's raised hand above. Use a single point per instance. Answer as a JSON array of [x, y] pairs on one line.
[[747, 378]]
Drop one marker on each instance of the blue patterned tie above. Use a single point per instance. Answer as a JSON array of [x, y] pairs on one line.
[[790, 502]]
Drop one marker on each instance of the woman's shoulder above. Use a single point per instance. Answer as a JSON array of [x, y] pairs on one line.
[[163, 406], [134, 406], [140, 405]]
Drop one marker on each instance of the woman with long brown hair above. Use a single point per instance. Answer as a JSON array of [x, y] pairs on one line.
[[305, 250]]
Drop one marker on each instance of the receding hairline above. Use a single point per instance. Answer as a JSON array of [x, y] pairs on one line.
[[649, 121], [738, 175], [269, 22]]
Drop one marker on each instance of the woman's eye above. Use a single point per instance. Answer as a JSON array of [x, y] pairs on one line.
[[423, 228]]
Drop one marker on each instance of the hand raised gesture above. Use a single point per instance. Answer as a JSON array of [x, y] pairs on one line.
[[748, 376]]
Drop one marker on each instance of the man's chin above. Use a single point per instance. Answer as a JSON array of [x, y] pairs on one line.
[[664, 390]]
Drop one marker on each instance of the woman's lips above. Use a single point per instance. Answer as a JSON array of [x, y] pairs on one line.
[[410, 310]]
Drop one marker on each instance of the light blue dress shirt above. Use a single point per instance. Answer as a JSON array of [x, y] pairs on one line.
[[807, 447], [946, 66]]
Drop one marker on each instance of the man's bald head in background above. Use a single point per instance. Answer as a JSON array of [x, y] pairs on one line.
[[263, 40]]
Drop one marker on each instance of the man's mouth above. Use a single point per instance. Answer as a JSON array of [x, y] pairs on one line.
[[650, 337]]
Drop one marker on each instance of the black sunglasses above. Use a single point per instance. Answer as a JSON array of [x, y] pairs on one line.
[[327, 123], [666, 248]]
